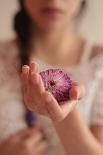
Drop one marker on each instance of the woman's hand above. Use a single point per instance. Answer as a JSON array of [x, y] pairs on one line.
[[28, 142], [39, 100]]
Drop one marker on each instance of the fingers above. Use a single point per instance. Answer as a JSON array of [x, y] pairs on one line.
[[33, 67], [32, 81], [26, 71], [40, 149], [25, 77], [35, 79], [52, 107], [77, 91], [35, 139], [33, 88], [67, 107], [24, 133], [37, 83], [30, 141]]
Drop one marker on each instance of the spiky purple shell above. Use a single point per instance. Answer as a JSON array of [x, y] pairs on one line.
[[58, 83]]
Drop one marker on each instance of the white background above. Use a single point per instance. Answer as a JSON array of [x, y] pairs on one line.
[[7, 10]]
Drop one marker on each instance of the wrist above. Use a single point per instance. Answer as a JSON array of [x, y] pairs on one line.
[[70, 117]]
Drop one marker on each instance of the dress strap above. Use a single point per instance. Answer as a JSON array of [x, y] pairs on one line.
[[86, 53]]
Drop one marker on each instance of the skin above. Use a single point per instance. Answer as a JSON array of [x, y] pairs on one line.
[[27, 142], [47, 23]]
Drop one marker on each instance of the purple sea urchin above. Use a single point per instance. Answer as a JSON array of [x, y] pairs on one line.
[[58, 83]]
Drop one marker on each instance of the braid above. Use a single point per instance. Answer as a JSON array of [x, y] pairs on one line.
[[22, 28], [83, 4]]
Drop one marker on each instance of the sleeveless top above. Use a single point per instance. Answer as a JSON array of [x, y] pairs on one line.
[[12, 109]]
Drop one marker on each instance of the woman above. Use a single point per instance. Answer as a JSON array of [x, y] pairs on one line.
[[45, 29]]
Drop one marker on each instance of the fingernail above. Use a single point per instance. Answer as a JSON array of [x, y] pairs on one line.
[[25, 69], [36, 66]]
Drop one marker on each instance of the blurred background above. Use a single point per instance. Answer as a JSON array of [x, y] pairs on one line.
[[7, 10], [90, 26]]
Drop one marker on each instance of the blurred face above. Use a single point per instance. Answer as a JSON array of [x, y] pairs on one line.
[[50, 14]]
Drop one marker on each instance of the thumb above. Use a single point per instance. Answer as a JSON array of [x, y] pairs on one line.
[[77, 92]]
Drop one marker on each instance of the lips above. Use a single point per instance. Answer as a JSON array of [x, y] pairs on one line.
[[51, 11]]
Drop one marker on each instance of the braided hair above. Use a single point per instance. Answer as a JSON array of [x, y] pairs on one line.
[[22, 27]]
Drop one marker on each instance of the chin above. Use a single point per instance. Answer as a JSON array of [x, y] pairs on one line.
[[49, 26]]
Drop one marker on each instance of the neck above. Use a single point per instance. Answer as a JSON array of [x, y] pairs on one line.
[[56, 42]]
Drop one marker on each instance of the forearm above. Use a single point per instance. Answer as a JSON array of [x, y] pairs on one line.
[[76, 136]]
